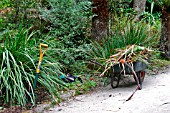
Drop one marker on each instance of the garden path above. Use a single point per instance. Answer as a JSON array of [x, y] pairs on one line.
[[153, 98]]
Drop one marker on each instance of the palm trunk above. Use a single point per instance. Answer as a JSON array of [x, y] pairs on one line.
[[100, 21], [165, 33]]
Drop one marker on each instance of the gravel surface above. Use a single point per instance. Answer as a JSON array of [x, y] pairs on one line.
[[153, 98]]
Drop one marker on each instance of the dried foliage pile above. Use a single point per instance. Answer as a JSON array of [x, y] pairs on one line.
[[126, 56]]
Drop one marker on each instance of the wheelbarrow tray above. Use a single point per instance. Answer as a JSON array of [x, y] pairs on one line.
[[137, 66]]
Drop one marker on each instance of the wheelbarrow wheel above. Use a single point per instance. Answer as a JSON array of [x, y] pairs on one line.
[[115, 80], [140, 75]]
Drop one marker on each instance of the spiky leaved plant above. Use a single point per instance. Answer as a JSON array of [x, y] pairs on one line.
[[19, 55]]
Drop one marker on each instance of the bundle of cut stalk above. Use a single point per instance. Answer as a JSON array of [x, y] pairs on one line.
[[127, 55]]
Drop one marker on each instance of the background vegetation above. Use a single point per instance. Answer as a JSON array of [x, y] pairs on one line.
[[65, 25]]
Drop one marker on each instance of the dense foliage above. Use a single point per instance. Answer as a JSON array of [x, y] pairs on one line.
[[19, 56], [124, 34], [19, 50], [68, 22], [65, 25]]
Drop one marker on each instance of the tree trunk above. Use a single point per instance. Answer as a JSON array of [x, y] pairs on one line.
[[100, 21], [16, 6], [165, 33], [139, 7]]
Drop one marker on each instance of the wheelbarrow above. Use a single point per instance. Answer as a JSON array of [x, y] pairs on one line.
[[137, 70]]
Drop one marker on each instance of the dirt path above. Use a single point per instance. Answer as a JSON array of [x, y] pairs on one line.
[[153, 98]]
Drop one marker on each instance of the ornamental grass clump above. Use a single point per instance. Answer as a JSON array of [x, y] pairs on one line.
[[18, 60], [124, 34]]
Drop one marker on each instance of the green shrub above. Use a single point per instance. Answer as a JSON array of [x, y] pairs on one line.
[[122, 7], [72, 59], [67, 20], [16, 12], [5, 3]]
